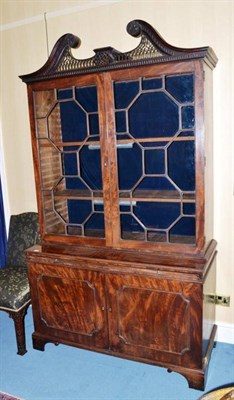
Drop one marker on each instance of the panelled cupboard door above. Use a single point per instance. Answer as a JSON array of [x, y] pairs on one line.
[[68, 304], [155, 319]]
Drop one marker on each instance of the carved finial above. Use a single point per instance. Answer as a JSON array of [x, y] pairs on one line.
[[72, 40], [134, 28]]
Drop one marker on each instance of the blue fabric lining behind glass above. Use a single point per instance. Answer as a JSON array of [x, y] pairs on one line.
[[99, 207], [68, 149], [151, 121], [181, 164], [120, 121], [96, 222], [90, 167], [74, 128], [130, 224], [185, 226], [189, 208], [64, 94], [124, 208], [78, 210], [73, 122], [186, 133], [124, 93], [93, 124], [188, 118], [3, 237], [70, 164], [129, 166], [153, 114], [123, 136], [93, 139], [154, 144], [87, 97], [155, 161], [181, 87], [150, 84], [155, 183], [157, 215], [75, 183]]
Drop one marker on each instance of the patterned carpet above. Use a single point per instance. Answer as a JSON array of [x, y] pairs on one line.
[[6, 396]]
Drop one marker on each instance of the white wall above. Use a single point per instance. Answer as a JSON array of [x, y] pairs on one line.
[[102, 23]]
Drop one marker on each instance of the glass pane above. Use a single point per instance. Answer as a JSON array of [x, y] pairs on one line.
[[70, 161], [87, 98], [154, 123], [94, 227], [182, 172], [65, 94], [129, 165], [188, 119], [183, 229], [155, 83], [149, 116], [124, 93], [156, 215], [181, 87], [73, 122]]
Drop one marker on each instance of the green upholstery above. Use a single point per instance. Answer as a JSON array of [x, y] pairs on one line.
[[14, 286], [23, 233]]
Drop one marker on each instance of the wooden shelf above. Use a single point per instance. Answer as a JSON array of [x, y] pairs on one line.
[[157, 237], [159, 196], [137, 195], [45, 142], [78, 194], [94, 233]]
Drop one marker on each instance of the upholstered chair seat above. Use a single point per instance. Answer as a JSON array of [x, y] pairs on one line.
[[14, 286]]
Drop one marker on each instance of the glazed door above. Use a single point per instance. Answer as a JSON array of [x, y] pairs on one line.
[[155, 319], [156, 132], [69, 304], [69, 128]]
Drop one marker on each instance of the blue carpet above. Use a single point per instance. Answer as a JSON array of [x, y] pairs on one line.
[[62, 372]]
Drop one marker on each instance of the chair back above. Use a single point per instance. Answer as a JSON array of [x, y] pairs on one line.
[[23, 233]]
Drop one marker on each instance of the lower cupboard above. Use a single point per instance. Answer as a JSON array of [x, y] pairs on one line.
[[148, 313]]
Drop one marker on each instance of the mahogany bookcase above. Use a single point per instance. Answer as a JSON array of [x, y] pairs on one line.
[[122, 149]]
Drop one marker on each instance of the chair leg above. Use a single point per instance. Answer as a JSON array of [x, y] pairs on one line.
[[18, 318]]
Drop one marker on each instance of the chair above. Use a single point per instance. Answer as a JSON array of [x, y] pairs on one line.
[[14, 286]]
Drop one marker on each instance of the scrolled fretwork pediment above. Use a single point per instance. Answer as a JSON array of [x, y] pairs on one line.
[[151, 49]]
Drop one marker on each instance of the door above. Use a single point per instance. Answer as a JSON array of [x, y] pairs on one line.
[[154, 123], [69, 125], [155, 319], [120, 158], [68, 304]]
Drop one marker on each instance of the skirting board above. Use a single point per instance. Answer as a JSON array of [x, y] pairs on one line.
[[225, 332]]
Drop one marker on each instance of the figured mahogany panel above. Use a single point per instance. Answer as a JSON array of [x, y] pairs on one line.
[[69, 304], [146, 317], [155, 318]]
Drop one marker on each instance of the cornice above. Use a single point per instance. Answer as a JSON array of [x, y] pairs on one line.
[[152, 49]]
